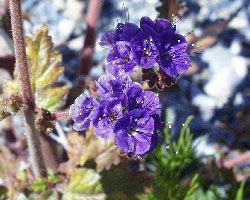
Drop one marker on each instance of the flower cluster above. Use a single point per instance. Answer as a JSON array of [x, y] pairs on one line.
[[123, 111], [120, 108], [155, 42]]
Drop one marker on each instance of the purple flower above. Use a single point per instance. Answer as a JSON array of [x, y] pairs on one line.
[[107, 115], [110, 86], [173, 58], [133, 132], [158, 28], [137, 98], [145, 50], [82, 111], [108, 39], [127, 31], [121, 59], [123, 32]]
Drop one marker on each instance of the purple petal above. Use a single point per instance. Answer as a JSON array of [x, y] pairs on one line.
[[80, 126], [104, 129], [142, 142], [108, 39], [145, 50], [151, 102], [127, 31], [134, 131]]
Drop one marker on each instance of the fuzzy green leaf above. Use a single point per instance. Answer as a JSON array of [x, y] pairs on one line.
[[45, 68], [84, 184], [104, 152]]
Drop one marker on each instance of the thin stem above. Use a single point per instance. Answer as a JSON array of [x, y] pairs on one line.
[[236, 161], [60, 115], [93, 14], [34, 148]]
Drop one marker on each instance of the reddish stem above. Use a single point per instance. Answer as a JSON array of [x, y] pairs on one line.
[[60, 115], [233, 162], [93, 14], [36, 158]]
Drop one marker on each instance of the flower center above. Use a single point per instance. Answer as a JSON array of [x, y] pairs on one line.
[[126, 59], [113, 117], [146, 52], [166, 56]]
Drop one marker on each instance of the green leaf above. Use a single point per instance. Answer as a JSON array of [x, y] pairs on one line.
[[45, 68], [39, 185], [104, 152], [9, 106], [240, 192], [84, 184], [171, 164]]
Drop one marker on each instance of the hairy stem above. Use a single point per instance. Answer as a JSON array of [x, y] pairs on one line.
[[93, 14], [35, 152]]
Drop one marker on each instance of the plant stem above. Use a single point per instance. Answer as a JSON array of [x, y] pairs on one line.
[[34, 148], [93, 14], [236, 161]]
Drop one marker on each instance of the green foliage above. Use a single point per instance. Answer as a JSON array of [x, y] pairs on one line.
[[84, 184], [9, 106], [170, 162], [240, 192], [39, 185], [176, 167], [44, 66], [90, 147]]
